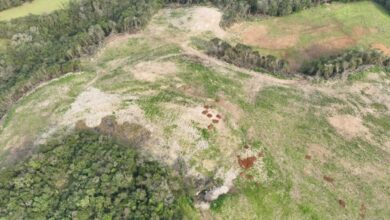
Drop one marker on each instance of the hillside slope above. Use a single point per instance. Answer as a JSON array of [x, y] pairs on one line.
[[274, 148]]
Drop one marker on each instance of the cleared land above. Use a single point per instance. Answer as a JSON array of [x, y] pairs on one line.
[[35, 7], [319, 31], [281, 147]]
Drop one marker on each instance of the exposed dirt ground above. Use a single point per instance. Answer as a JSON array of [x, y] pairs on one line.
[[329, 47], [258, 36], [151, 71], [92, 105], [382, 47], [349, 126], [200, 20]]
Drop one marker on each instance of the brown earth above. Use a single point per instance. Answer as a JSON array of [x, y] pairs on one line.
[[328, 47], [318, 152], [383, 48], [349, 126], [258, 36], [363, 210], [246, 163], [328, 179], [151, 71], [342, 203]]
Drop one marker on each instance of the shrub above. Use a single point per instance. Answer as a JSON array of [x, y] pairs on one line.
[[333, 66], [244, 56]]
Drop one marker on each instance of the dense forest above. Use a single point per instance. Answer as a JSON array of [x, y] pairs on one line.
[[5, 4], [384, 3], [86, 175], [244, 56]]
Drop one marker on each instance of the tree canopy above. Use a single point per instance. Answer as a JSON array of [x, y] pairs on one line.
[[244, 56], [333, 66], [86, 175]]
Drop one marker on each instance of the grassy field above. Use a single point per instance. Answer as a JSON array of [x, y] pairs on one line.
[[319, 31], [36, 7], [38, 110], [292, 126]]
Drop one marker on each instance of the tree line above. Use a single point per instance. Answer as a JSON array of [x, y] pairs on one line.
[[384, 3], [327, 67], [244, 56], [238, 9], [351, 60], [6, 4], [87, 175]]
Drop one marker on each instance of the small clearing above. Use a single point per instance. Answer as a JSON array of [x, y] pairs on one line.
[[92, 105], [151, 71], [382, 47], [349, 126], [201, 20], [36, 7], [318, 152], [258, 35]]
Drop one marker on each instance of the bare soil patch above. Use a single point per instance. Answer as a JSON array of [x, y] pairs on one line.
[[201, 20], [328, 47], [258, 36], [342, 203], [328, 179], [92, 105], [246, 163], [382, 48], [317, 152], [229, 108], [349, 126], [117, 39], [152, 70], [363, 210]]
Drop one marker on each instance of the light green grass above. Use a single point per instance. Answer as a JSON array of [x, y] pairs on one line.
[[362, 23], [34, 113], [116, 64], [287, 123], [36, 7], [137, 49], [210, 82], [150, 104]]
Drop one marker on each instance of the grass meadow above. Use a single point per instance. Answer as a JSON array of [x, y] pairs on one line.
[[319, 31], [35, 7]]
